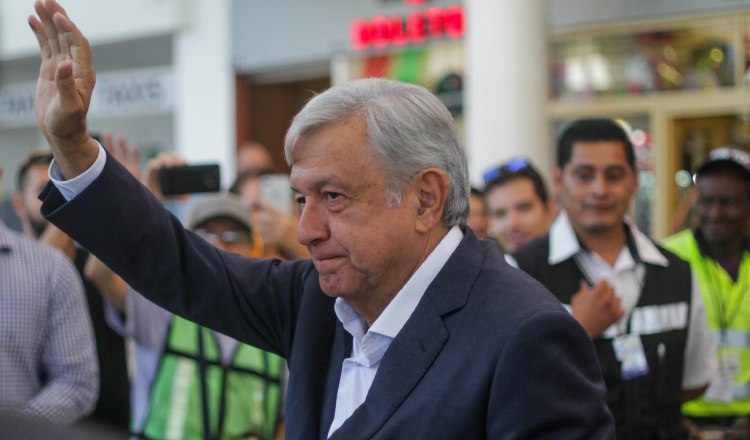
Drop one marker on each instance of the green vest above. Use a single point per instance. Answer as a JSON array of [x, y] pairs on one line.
[[727, 305], [243, 397]]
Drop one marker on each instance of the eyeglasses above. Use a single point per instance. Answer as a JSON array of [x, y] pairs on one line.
[[512, 166], [226, 237]]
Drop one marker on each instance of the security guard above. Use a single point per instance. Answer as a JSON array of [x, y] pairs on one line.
[[719, 254]]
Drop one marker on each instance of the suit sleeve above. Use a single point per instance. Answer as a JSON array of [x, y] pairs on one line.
[[118, 220], [548, 384]]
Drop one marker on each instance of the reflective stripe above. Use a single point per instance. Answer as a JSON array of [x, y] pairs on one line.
[[659, 319], [649, 320], [732, 338], [178, 411]]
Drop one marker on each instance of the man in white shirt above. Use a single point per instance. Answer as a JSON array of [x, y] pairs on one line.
[[638, 302], [403, 325]]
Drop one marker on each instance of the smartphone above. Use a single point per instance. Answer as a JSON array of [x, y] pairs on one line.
[[276, 191], [190, 179]]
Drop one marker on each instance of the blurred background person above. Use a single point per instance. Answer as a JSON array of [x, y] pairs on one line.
[[719, 252], [276, 228], [48, 365], [477, 220], [192, 382], [254, 157], [112, 406], [637, 301], [519, 208]]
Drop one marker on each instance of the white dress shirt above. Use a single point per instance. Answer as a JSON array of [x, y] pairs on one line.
[[358, 371]]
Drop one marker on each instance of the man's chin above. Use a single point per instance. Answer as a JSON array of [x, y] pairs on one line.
[[331, 285]]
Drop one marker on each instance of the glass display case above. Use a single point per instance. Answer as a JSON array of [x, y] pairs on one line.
[[686, 56], [683, 85]]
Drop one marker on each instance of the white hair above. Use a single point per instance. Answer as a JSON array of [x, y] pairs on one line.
[[408, 129]]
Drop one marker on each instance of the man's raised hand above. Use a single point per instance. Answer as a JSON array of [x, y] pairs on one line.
[[63, 93]]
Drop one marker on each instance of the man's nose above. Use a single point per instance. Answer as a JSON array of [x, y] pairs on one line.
[[313, 224], [513, 220], [599, 184]]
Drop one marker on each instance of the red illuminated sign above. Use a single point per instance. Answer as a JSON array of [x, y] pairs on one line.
[[415, 28]]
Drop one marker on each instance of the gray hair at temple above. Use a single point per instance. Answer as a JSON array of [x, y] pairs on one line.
[[408, 128]]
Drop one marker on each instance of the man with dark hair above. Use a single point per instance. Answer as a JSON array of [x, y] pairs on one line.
[[112, 406], [517, 202], [403, 325], [30, 181], [48, 366], [719, 252], [638, 302]]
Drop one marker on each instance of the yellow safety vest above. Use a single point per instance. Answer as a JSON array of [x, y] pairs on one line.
[[728, 312], [243, 397]]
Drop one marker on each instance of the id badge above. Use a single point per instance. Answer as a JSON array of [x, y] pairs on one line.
[[629, 351], [720, 388]]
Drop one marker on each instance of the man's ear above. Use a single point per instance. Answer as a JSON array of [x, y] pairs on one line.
[[432, 191], [556, 181], [18, 205]]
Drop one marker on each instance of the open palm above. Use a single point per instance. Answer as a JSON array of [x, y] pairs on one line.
[[66, 78]]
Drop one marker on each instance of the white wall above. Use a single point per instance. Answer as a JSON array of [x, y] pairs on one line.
[[105, 21]]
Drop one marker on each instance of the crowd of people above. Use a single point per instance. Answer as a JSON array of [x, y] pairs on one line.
[[392, 300]]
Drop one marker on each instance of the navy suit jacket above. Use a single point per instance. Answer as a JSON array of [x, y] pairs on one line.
[[488, 352]]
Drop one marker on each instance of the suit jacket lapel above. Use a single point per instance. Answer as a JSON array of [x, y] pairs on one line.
[[417, 345], [310, 363]]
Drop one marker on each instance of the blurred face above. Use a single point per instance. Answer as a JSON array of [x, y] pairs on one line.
[[477, 220], [516, 214], [596, 186], [226, 234], [253, 158], [723, 207], [249, 192], [27, 203], [363, 249]]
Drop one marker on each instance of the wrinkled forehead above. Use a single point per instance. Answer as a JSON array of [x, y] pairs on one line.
[[334, 151]]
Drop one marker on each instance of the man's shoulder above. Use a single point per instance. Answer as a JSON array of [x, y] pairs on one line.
[[681, 243], [23, 249], [510, 288]]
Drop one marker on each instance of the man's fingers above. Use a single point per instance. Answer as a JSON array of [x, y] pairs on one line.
[[135, 154], [76, 47], [584, 287], [41, 37], [45, 16]]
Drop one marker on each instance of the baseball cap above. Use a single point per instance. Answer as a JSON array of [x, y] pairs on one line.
[[730, 155], [214, 206]]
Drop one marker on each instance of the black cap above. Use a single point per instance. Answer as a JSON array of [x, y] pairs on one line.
[[730, 155]]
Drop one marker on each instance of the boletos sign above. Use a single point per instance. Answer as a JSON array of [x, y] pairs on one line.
[[417, 27]]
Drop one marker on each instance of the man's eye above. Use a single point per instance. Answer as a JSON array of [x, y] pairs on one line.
[[333, 195], [615, 175], [299, 200]]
